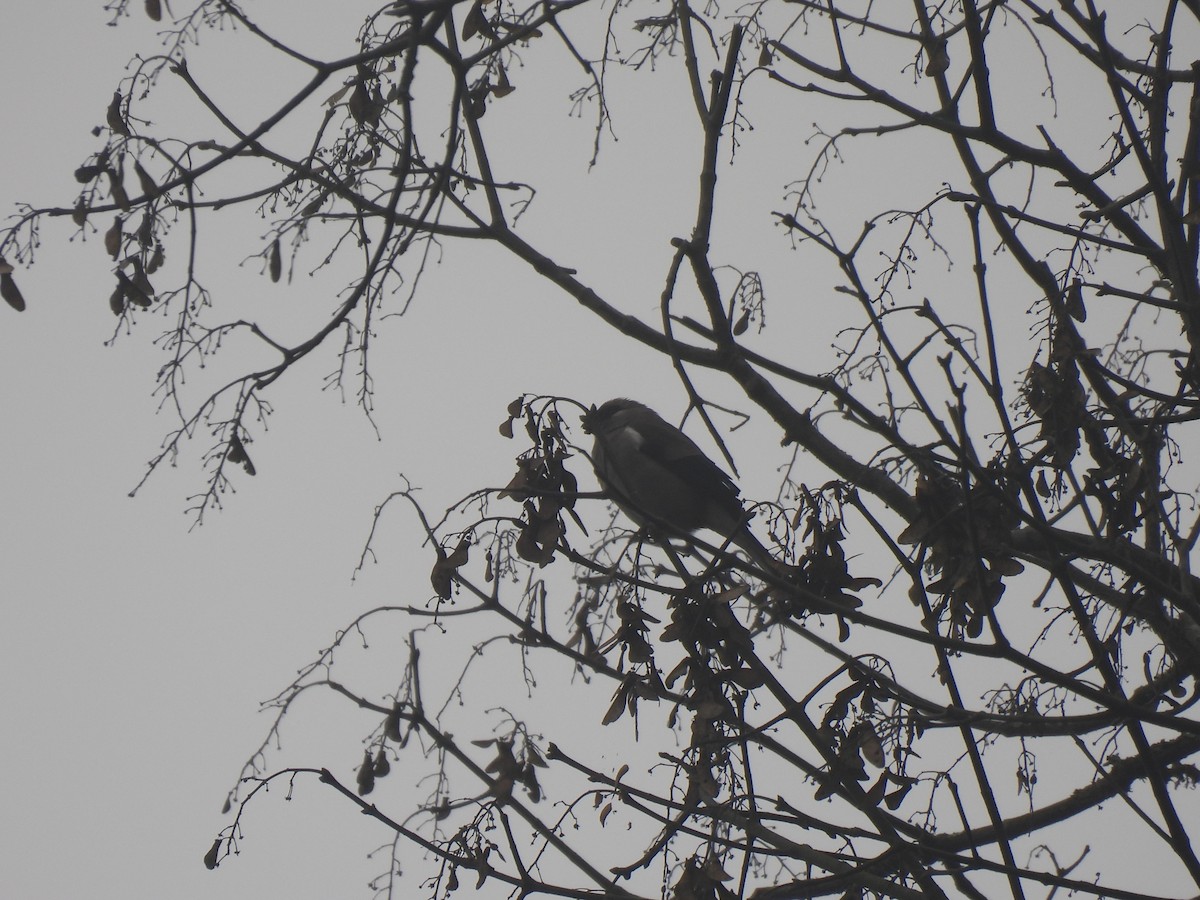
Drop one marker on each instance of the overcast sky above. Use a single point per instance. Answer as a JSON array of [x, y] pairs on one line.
[[133, 652], [136, 648]]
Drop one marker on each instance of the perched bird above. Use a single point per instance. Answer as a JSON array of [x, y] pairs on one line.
[[659, 477]]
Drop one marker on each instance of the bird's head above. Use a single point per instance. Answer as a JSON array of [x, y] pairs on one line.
[[598, 416]]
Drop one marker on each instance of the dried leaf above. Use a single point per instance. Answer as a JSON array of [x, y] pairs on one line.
[[857, 584], [1007, 566], [442, 576], [366, 775], [477, 103], [681, 667], [484, 868], [141, 282], [476, 23], [458, 558], [870, 746], [156, 260], [1074, 301], [84, 174], [210, 858], [313, 206], [11, 293], [713, 871], [825, 788], [237, 454], [527, 546], [112, 238], [116, 300], [154, 10], [502, 87], [366, 158], [442, 580], [145, 232], [915, 532], [746, 678], [117, 190], [549, 531], [381, 766], [617, 708], [391, 725], [875, 792], [275, 262], [530, 782], [1042, 486], [743, 322], [534, 757], [148, 185], [569, 487], [363, 107], [114, 118], [893, 800]]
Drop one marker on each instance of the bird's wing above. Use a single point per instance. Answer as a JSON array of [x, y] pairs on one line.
[[671, 448]]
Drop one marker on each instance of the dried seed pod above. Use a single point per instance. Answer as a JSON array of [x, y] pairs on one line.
[[275, 262], [114, 118], [11, 293]]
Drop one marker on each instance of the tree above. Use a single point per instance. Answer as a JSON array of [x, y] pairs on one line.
[[981, 360]]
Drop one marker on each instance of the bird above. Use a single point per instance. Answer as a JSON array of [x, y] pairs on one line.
[[662, 480]]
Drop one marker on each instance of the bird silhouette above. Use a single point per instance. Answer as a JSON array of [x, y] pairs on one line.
[[660, 479]]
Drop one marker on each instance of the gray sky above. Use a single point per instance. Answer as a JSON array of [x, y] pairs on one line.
[[133, 653], [135, 649]]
